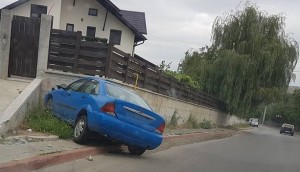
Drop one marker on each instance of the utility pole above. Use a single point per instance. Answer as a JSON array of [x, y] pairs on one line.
[[264, 116]]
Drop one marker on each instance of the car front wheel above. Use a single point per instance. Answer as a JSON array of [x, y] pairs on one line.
[[134, 150], [49, 104], [80, 130]]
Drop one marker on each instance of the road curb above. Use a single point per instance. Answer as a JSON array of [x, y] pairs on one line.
[[42, 161]]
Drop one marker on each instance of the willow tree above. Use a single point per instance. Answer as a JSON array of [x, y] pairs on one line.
[[250, 62]]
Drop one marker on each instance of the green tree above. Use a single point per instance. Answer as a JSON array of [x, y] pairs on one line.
[[286, 111], [250, 62]]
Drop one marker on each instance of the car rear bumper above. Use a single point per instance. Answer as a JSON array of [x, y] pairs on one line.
[[126, 133]]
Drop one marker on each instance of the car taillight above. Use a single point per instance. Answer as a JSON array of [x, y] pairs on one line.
[[161, 128], [109, 108]]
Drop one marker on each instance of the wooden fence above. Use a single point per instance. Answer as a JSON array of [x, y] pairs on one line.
[[70, 53]]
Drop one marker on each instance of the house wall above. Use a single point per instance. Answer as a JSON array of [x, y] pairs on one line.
[[64, 12], [164, 105], [78, 15], [53, 9]]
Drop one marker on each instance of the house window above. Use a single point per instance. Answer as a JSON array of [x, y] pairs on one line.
[[91, 31], [93, 12], [37, 10], [70, 27], [115, 37]]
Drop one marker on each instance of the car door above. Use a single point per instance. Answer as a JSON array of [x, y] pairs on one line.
[[64, 97], [80, 99]]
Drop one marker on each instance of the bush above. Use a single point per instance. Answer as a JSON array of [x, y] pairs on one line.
[[206, 124], [44, 121], [192, 122], [174, 120]]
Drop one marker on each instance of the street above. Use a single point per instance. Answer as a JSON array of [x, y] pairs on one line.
[[260, 149]]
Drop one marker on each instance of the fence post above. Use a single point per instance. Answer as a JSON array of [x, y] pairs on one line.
[[194, 95], [127, 57], [44, 43], [5, 37], [77, 51], [108, 60], [145, 74], [170, 87], [159, 78]]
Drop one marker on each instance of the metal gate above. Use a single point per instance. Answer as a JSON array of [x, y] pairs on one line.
[[24, 46]]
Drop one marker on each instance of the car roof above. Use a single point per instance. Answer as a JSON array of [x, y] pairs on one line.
[[288, 125], [108, 81], [101, 79]]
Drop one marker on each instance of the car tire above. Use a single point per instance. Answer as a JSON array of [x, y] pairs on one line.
[[49, 104], [280, 132], [292, 134], [80, 130], [135, 150]]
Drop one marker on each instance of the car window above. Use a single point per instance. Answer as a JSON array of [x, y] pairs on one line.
[[90, 87], [123, 94], [76, 85]]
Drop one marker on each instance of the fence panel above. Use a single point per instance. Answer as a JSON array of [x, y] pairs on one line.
[[70, 53]]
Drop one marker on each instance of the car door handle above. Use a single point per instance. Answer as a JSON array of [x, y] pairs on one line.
[[84, 96]]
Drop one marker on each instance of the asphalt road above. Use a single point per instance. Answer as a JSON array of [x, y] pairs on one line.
[[261, 149]]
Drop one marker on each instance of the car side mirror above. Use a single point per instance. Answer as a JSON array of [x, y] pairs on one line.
[[63, 86]]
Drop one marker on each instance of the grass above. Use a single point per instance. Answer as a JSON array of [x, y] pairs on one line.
[[44, 121], [237, 126], [174, 121], [192, 122], [206, 124]]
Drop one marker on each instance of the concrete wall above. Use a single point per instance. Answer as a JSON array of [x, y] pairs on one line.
[[53, 9], [78, 15], [15, 113], [164, 105]]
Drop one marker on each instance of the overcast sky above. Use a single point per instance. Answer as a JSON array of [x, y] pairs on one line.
[[175, 26]]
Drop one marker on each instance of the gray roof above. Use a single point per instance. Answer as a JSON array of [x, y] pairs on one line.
[[15, 4], [136, 19]]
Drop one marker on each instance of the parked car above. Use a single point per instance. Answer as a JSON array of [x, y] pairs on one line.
[[250, 120], [253, 122], [287, 128], [94, 104]]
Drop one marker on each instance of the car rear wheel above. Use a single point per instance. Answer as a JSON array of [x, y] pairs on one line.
[[80, 130], [292, 134], [135, 150], [280, 132]]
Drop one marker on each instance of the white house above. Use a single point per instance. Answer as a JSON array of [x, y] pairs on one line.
[[95, 18]]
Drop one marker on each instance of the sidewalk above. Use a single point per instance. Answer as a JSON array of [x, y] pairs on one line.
[[9, 90], [19, 153]]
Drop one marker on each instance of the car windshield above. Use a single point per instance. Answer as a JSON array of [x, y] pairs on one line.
[[126, 95], [255, 120], [288, 125]]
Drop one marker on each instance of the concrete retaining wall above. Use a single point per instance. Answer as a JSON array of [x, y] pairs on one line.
[[16, 111], [164, 105]]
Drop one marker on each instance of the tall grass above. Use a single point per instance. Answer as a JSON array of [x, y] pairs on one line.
[[44, 121]]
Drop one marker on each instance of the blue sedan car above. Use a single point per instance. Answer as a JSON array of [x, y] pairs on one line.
[[94, 104]]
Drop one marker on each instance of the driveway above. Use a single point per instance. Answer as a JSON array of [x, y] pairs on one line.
[[261, 150]]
